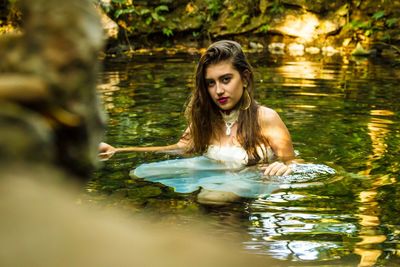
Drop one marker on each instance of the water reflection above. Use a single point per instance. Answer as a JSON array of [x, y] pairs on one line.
[[307, 72], [369, 232], [286, 226], [343, 115], [378, 130]]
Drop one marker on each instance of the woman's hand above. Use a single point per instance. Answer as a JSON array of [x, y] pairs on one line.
[[276, 169], [106, 151]]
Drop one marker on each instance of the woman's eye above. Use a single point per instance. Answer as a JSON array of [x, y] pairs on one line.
[[226, 79], [210, 84]]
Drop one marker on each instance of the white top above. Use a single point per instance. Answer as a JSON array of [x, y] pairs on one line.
[[235, 156]]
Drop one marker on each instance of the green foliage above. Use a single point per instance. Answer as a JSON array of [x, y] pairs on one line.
[[126, 12], [356, 24], [155, 14], [120, 12], [366, 26], [376, 23], [244, 19], [148, 15], [277, 7], [386, 37], [264, 28], [378, 15], [391, 22], [196, 34], [214, 7], [167, 32]]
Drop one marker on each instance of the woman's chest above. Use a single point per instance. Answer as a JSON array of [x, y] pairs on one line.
[[225, 138]]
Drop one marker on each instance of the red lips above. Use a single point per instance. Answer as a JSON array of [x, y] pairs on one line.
[[222, 100]]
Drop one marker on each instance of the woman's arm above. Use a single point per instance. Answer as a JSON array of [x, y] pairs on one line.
[[106, 151], [278, 136]]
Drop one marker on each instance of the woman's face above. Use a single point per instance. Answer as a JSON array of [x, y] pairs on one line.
[[224, 84]]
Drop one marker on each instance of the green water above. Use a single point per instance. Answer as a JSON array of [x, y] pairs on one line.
[[341, 112]]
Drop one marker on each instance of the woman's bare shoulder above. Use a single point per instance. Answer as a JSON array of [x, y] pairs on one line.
[[266, 114]]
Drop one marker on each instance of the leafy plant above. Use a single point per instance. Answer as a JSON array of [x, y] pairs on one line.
[[244, 19], [156, 13], [167, 32], [277, 7], [356, 24], [372, 25], [148, 15], [264, 28], [386, 37], [391, 22], [378, 15], [214, 7], [124, 11], [196, 34]]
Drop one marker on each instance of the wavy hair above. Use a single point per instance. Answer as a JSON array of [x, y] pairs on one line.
[[202, 114]]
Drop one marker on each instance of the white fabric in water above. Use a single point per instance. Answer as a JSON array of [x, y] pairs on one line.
[[190, 174]]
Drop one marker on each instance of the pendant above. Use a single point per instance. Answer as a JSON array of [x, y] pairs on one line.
[[228, 128], [230, 120]]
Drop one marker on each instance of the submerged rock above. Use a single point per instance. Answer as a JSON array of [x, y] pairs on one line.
[[313, 50], [296, 49], [329, 50], [360, 51], [276, 48]]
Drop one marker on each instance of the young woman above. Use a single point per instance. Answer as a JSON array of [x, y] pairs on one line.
[[224, 121]]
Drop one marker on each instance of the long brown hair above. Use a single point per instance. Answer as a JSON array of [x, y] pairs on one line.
[[203, 114]]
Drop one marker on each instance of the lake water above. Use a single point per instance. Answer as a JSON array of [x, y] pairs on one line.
[[342, 112]]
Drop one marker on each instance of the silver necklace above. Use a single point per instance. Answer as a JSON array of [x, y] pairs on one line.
[[230, 120]]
